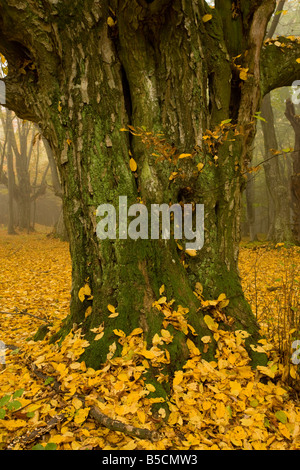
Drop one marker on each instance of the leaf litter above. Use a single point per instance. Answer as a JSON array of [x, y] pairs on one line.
[[222, 404]]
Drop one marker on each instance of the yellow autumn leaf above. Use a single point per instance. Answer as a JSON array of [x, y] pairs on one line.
[[161, 289], [206, 18], [257, 348], [206, 405], [123, 377], [76, 445], [178, 377], [265, 370], [221, 297], [111, 308], [150, 387], [191, 252], [206, 339], [192, 348], [166, 335], [99, 336], [88, 312], [298, 60], [156, 400], [113, 315], [185, 155], [77, 403], [220, 410], [85, 291], [75, 365], [173, 175], [119, 333], [81, 294], [81, 415], [141, 416], [61, 368], [173, 418], [293, 372], [131, 445], [33, 407], [147, 354], [12, 424], [132, 164], [244, 74], [136, 331], [110, 22], [284, 430], [112, 349], [200, 166], [235, 387], [212, 325]]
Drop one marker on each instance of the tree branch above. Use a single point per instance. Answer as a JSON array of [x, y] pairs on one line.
[[23, 312], [278, 63], [94, 412]]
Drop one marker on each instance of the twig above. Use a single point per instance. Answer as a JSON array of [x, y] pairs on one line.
[[94, 412], [24, 312], [116, 425], [29, 438]]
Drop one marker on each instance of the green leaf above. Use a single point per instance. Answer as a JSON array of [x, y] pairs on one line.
[[15, 352], [49, 380], [38, 447], [281, 416], [257, 116], [2, 413], [18, 393], [30, 414], [51, 446], [266, 423], [13, 405], [4, 400]]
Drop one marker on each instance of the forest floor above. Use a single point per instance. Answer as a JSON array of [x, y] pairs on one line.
[[223, 404]]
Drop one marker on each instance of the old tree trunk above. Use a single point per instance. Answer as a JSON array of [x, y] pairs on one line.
[[83, 70]]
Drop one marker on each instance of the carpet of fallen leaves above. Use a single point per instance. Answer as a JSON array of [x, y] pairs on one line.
[[223, 404]]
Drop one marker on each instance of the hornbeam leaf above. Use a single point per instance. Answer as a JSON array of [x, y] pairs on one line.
[[206, 18], [133, 164]]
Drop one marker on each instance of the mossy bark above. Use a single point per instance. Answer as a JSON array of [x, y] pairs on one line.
[[92, 68]]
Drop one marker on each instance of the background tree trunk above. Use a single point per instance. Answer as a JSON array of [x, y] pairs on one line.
[[250, 207], [10, 178], [280, 228], [295, 178]]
